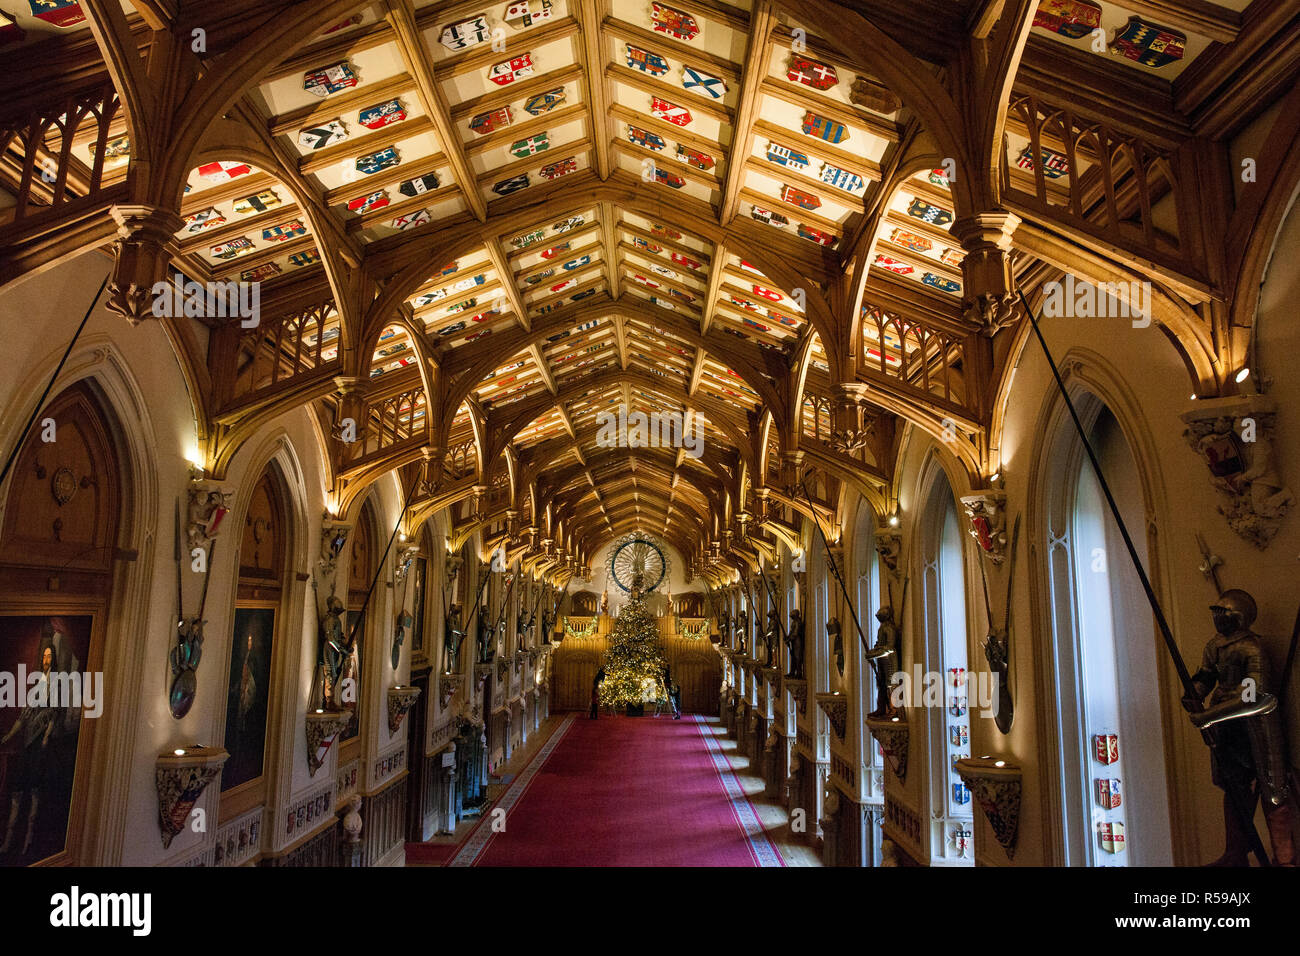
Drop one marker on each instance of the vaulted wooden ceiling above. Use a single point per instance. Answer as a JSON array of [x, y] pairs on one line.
[[480, 225]]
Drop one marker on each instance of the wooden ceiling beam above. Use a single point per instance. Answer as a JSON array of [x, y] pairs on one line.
[[419, 64], [592, 53], [509, 288], [758, 48]]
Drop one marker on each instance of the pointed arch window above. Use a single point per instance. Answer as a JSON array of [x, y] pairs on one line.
[[1112, 773], [943, 594]]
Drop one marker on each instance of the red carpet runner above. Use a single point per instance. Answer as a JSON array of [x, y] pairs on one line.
[[625, 792]]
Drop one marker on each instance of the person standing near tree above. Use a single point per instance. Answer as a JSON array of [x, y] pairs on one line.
[[595, 693], [675, 695]]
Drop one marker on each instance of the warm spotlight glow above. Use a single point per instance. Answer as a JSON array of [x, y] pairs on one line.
[[1243, 375], [999, 763], [893, 521], [179, 753]]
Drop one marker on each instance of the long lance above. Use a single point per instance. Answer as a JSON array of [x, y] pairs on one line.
[[770, 594], [555, 611], [379, 567], [708, 593], [752, 594], [532, 616], [40, 402], [477, 600], [835, 571], [1236, 797], [505, 600]]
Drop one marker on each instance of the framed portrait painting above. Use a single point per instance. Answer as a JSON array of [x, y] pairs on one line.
[[248, 695], [44, 692]]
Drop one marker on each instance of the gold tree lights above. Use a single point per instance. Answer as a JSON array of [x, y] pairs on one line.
[[634, 664]]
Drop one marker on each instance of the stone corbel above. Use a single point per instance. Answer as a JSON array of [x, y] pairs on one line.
[[836, 708], [477, 510], [208, 507], [1234, 437], [988, 283], [400, 700], [333, 536], [792, 464], [322, 727], [851, 433], [889, 548], [181, 776], [404, 559], [993, 312], [798, 690], [987, 512], [146, 244], [448, 684], [892, 735], [996, 786]]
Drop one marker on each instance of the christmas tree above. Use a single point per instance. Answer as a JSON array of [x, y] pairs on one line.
[[634, 665]]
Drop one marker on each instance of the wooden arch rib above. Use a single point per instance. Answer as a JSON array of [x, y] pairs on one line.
[[912, 80], [422, 251], [562, 478], [495, 351], [235, 71], [503, 433]]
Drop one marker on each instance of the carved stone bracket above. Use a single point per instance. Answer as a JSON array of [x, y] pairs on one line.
[[996, 786], [889, 548], [181, 777], [988, 284], [993, 312], [322, 727], [205, 513], [1234, 437], [798, 689], [333, 536], [772, 675], [400, 701], [836, 709], [405, 558], [447, 687], [892, 735], [987, 512], [145, 245], [481, 673]]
